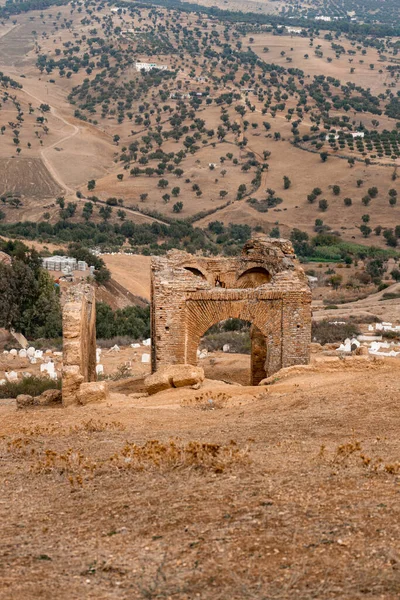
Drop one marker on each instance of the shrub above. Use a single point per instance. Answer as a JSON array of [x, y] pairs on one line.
[[324, 332], [239, 341], [33, 386]]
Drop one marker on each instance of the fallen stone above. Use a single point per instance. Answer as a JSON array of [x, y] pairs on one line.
[[93, 392], [315, 347], [157, 382], [49, 397], [24, 400], [362, 351], [173, 376]]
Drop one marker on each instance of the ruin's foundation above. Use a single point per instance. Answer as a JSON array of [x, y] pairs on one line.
[[264, 285]]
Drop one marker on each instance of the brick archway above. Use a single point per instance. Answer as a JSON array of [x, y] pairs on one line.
[[265, 286], [264, 317]]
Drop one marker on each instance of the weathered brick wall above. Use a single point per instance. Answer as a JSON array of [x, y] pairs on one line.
[[79, 341], [264, 285]]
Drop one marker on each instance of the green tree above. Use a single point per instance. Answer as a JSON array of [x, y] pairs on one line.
[[105, 212], [176, 191], [365, 230], [323, 205], [87, 211], [177, 207], [286, 182]]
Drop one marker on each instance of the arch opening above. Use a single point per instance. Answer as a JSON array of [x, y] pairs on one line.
[[254, 277], [195, 272], [226, 352]]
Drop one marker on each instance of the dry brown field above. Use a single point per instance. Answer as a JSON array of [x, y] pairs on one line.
[[305, 504], [27, 177], [130, 271]]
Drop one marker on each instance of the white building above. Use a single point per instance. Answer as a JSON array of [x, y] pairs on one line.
[[64, 264], [143, 66]]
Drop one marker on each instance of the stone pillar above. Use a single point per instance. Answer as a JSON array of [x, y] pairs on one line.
[[258, 355], [79, 341]]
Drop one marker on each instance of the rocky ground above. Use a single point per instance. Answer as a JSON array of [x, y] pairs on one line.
[[285, 491]]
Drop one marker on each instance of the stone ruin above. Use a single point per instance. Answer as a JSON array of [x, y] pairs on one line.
[[265, 285], [79, 341]]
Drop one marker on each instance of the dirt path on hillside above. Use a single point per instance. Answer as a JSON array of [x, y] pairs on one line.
[[67, 137]]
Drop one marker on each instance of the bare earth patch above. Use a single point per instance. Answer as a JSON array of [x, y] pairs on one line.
[[27, 177], [304, 504]]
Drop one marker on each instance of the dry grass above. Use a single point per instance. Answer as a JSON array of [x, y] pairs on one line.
[[150, 456]]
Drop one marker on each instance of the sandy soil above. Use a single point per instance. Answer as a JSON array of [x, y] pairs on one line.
[[306, 505]]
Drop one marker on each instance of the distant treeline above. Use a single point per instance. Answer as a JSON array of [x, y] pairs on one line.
[[15, 8], [154, 238], [375, 29]]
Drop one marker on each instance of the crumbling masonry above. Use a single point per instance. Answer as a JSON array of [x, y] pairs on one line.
[[79, 343], [265, 285]]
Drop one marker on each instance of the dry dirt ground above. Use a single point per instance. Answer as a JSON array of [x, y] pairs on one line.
[[28, 177], [305, 505], [131, 271]]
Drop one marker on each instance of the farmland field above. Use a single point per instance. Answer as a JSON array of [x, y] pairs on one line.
[[26, 177]]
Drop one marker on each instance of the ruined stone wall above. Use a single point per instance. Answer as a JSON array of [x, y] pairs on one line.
[[79, 341], [264, 285]]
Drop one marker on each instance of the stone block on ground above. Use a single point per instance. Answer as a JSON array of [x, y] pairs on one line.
[[93, 392], [49, 397], [24, 400], [157, 382], [174, 376]]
